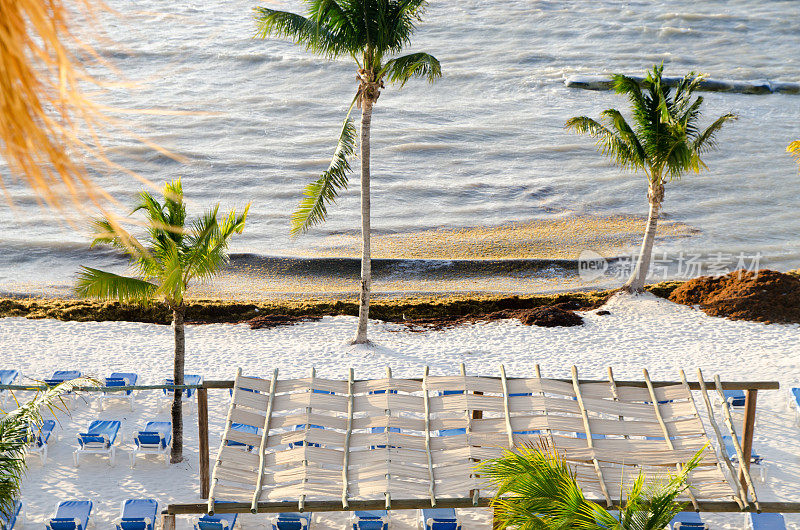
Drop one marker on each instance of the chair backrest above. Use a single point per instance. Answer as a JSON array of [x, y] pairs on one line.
[[44, 433], [7, 377], [767, 521], [688, 520], [74, 510], [139, 509], [66, 375], [439, 514], [452, 432], [796, 395], [7, 522]]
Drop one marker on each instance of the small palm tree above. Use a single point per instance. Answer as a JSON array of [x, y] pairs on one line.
[[664, 142], [371, 32], [16, 430], [176, 254], [537, 490]]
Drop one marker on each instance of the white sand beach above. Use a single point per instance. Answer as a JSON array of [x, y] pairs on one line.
[[641, 332]]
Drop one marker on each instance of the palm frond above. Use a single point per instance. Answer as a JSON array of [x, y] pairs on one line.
[[94, 283], [706, 140], [313, 207], [794, 149], [413, 65], [608, 142], [312, 34]]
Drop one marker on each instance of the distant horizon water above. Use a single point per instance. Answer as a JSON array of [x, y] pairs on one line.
[[479, 149]]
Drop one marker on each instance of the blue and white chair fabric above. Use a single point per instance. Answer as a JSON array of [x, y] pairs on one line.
[[15, 517], [293, 521], [370, 520], [765, 521], [794, 401], [757, 463], [688, 521], [70, 515], [138, 514], [439, 519], [7, 377], [119, 379], [300, 443], [100, 438], [40, 439], [155, 439], [187, 395], [381, 430], [241, 427], [218, 521], [59, 376], [734, 398]]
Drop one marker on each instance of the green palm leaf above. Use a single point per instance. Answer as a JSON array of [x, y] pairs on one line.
[[323, 191], [94, 283], [424, 65]]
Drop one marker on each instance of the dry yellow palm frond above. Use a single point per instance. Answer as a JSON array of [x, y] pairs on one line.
[[48, 125], [794, 148]]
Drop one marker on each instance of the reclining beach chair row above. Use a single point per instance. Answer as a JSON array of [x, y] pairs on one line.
[[135, 514]]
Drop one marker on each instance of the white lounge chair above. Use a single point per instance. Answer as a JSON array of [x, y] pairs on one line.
[[155, 439], [99, 439], [119, 379], [40, 440]]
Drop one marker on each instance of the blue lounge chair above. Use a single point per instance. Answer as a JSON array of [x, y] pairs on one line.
[[439, 519], [292, 521], [241, 427], [59, 376], [7, 523], [371, 520], [756, 460], [794, 395], [100, 438], [188, 394], [119, 379], [40, 439], [452, 432], [688, 521], [735, 398], [765, 521], [218, 521], [71, 515], [138, 514], [7, 377], [155, 439]]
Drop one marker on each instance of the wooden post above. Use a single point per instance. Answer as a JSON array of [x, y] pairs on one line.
[[750, 397], [167, 521], [202, 428]]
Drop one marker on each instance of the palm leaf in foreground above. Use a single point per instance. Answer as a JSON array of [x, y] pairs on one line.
[[536, 489], [794, 149], [94, 283], [19, 426]]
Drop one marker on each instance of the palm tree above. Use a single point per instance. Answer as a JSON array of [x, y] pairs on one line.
[[371, 32], [16, 428], [664, 142], [536, 489], [176, 254]]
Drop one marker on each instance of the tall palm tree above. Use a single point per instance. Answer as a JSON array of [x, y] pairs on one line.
[[537, 490], [372, 32], [16, 428], [176, 254], [664, 142]]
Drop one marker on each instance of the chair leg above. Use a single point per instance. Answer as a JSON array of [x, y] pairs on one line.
[[133, 460], [112, 457], [75, 459]]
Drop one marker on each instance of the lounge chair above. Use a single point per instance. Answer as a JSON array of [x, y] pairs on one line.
[[218, 521], [188, 394], [370, 520], [452, 432], [756, 461], [241, 427], [59, 376], [119, 379], [688, 521], [7, 523], [765, 521], [293, 521], [100, 438], [39, 442], [7, 377], [439, 519], [155, 439], [734, 398], [794, 396], [582, 436], [70, 515], [138, 514]]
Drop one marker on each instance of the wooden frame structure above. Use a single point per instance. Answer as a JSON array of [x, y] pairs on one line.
[[492, 411]]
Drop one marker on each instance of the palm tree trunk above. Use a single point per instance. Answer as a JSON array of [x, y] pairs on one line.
[[635, 283], [366, 259], [177, 377]]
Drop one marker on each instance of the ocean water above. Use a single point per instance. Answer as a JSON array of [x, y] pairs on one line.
[[483, 146]]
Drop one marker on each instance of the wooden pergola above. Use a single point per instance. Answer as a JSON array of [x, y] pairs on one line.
[[315, 444]]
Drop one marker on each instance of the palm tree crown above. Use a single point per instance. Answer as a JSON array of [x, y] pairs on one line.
[[174, 256]]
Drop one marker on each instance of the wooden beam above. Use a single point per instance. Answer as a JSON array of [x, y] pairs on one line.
[[262, 447], [588, 431], [414, 504], [202, 431], [750, 398], [431, 478]]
